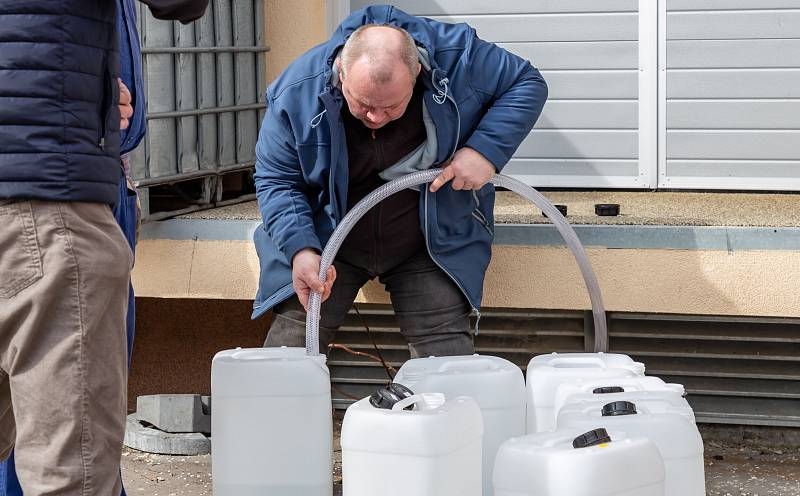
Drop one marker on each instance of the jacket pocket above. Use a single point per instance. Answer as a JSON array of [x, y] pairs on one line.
[[110, 98], [479, 216], [485, 223], [21, 260]]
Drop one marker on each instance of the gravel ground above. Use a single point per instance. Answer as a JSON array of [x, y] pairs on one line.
[[735, 470], [164, 475], [731, 470]]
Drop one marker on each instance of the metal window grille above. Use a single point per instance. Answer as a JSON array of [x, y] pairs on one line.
[[204, 85]]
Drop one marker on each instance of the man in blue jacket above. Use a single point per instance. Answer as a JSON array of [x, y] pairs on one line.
[[66, 263], [388, 94]]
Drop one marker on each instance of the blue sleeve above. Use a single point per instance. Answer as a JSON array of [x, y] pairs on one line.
[[281, 188], [516, 93]]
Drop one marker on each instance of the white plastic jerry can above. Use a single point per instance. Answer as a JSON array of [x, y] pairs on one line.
[[617, 388], [571, 462], [671, 399], [423, 444], [496, 384], [546, 373], [657, 418], [272, 426]]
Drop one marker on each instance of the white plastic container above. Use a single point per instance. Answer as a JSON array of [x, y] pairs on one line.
[[617, 389], [667, 400], [432, 450], [546, 373], [658, 418], [496, 384], [547, 464], [272, 427]]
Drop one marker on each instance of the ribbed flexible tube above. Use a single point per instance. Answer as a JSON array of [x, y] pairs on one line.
[[427, 176]]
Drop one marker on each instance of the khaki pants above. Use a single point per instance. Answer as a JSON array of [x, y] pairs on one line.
[[64, 273]]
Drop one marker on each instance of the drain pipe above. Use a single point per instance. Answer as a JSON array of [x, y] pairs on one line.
[[427, 176]]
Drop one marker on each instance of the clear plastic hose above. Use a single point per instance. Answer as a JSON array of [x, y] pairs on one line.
[[427, 176]]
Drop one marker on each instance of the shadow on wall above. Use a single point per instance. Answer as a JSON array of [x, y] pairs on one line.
[[177, 338]]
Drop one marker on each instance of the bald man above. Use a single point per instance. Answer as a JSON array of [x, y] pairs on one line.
[[387, 95]]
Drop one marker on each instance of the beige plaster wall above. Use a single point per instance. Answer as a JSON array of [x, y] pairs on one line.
[[754, 283], [196, 269], [292, 27]]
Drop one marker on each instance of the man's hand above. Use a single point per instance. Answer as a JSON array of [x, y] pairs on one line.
[[305, 276], [125, 108], [468, 170]]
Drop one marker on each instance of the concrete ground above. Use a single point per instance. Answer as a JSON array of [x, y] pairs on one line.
[[747, 468]]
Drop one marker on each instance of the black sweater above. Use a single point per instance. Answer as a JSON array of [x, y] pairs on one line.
[[391, 230]]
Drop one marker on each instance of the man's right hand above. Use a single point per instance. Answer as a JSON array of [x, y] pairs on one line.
[[305, 276]]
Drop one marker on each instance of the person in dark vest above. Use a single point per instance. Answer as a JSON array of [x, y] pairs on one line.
[[64, 260], [388, 94]]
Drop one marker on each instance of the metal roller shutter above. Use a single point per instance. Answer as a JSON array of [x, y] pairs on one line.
[[732, 86], [741, 371], [598, 128]]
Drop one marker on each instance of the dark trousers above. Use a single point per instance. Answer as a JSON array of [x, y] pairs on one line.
[[432, 311]]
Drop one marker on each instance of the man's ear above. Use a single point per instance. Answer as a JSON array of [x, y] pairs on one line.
[[339, 67], [419, 69]]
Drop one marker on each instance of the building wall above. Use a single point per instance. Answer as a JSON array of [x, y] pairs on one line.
[[292, 28], [699, 282]]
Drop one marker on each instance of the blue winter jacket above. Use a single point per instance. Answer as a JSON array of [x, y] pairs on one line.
[[477, 94], [130, 71]]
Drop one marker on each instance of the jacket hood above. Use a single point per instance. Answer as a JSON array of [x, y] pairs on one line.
[[382, 15]]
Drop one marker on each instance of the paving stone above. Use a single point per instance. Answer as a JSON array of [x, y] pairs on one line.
[[140, 436], [176, 413]]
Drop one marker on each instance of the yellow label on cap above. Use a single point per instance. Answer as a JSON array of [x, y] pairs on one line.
[[604, 445]]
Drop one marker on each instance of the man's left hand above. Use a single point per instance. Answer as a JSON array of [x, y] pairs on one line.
[[125, 107], [468, 170]]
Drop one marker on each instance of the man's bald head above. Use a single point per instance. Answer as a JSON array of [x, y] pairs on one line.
[[378, 68], [383, 50]]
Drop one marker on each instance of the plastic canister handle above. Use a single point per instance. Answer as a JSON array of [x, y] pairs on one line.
[[578, 363], [676, 388], [608, 390], [475, 365], [425, 401]]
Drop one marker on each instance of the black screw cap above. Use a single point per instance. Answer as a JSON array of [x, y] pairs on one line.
[[606, 209], [619, 408], [386, 397], [608, 390], [591, 438], [560, 208]]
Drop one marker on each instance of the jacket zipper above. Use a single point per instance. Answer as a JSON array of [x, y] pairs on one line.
[[329, 104], [458, 126], [375, 212], [427, 234]]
